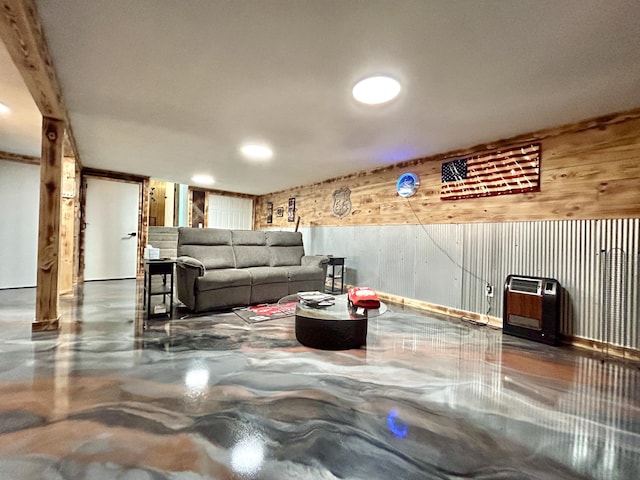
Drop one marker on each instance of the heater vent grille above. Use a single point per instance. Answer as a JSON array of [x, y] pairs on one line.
[[523, 285]]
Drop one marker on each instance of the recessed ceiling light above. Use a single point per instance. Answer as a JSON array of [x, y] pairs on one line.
[[256, 152], [4, 110], [203, 179], [376, 90]]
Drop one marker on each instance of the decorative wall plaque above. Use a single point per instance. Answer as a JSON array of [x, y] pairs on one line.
[[407, 184], [269, 212], [292, 210], [341, 202]]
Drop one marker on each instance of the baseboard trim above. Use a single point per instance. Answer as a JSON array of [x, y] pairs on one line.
[[608, 350], [594, 346], [441, 309]]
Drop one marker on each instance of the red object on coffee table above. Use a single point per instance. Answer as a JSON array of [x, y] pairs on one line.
[[364, 297]]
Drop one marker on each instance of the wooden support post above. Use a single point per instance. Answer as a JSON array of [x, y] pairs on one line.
[[47, 295], [143, 223]]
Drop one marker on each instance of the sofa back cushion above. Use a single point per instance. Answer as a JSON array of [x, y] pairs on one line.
[[285, 248], [212, 246], [250, 248]]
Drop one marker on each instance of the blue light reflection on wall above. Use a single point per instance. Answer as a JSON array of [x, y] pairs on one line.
[[400, 154], [396, 425]]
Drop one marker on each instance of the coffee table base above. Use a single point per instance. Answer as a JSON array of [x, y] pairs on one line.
[[327, 334]]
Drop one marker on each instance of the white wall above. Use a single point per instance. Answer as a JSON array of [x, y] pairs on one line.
[[183, 204], [230, 212], [19, 200]]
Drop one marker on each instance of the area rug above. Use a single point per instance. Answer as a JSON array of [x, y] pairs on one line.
[[265, 312]]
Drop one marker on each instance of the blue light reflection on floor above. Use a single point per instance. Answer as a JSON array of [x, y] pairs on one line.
[[396, 425]]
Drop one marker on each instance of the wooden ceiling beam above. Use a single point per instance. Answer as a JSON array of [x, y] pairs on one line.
[[22, 34], [17, 157]]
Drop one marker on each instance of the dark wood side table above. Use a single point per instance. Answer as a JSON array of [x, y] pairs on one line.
[[163, 268], [335, 272]]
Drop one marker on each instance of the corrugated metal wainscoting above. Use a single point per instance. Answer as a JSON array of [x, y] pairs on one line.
[[596, 261]]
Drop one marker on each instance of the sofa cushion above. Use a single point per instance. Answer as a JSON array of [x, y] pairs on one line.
[[284, 239], [211, 256], [280, 256], [263, 275], [212, 246], [248, 256], [223, 278], [297, 273], [250, 248], [248, 237], [203, 236]]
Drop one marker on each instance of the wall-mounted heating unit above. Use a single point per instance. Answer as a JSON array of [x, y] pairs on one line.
[[532, 308]]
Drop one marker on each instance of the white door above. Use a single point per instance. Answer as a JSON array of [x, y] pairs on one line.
[[230, 212], [111, 242], [19, 194]]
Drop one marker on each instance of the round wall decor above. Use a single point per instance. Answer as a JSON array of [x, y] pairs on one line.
[[407, 184]]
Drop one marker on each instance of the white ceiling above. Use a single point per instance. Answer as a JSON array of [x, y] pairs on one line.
[[170, 88]]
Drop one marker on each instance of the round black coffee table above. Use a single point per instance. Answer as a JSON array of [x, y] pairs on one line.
[[336, 327]]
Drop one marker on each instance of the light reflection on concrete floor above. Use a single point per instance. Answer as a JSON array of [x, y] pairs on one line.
[[210, 396]]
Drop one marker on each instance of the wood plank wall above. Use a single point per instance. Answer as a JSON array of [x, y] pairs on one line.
[[68, 238], [143, 222], [589, 170], [157, 196]]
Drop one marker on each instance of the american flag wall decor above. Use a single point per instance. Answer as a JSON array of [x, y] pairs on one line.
[[516, 170]]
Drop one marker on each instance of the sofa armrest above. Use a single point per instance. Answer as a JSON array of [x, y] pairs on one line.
[[188, 269], [190, 263], [315, 261]]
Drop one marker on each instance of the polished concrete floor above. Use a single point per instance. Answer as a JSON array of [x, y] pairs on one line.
[[111, 396]]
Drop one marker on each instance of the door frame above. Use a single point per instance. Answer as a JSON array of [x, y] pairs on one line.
[[143, 213]]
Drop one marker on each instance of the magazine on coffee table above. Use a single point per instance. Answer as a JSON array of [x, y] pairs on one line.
[[316, 299]]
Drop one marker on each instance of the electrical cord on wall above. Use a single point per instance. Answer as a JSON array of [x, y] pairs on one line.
[[446, 254], [443, 250], [486, 315]]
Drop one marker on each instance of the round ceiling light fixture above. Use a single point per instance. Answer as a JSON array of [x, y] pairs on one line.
[[256, 152], [203, 179], [4, 110], [376, 90]]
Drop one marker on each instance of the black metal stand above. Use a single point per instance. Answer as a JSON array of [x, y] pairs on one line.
[[164, 268], [333, 275]]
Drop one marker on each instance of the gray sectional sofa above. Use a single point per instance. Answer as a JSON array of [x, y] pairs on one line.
[[219, 268]]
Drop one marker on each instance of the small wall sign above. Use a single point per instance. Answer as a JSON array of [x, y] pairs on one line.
[[292, 209], [269, 212], [341, 202]]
